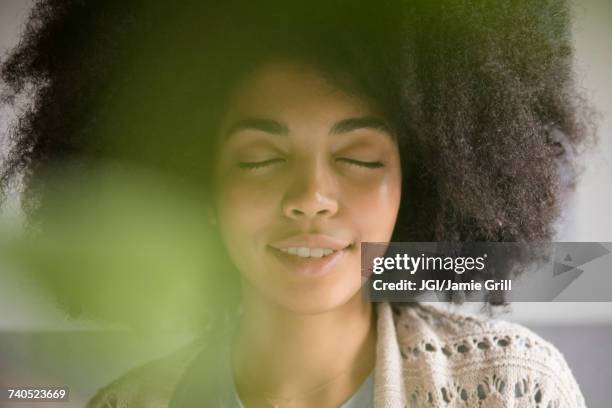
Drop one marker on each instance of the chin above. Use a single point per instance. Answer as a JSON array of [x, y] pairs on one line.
[[318, 300]]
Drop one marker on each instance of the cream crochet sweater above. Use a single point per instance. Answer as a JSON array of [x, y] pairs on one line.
[[426, 357]]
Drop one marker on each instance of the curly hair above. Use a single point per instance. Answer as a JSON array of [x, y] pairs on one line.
[[480, 92]]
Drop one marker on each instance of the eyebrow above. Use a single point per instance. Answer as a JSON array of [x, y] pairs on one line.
[[261, 124], [348, 125], [277, 128]]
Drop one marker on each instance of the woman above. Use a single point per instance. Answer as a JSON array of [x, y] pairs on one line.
[[313, 129]]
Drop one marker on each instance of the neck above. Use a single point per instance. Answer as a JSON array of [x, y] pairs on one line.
[[292, 356]]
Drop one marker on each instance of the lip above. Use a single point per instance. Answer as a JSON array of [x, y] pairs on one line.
[[311, 266], [308, 267], [311, 241]]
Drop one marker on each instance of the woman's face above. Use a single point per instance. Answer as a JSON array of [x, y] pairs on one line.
[[305, 172]]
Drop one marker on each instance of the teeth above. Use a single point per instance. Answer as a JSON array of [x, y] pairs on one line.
[[308, 252], [317, 252]]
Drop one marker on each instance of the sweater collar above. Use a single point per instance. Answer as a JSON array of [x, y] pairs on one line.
[[389, 390]]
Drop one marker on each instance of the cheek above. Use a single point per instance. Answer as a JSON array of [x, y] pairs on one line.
[[373, 207], [245, 209]]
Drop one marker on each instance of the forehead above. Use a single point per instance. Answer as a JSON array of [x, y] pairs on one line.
[[290, 90]]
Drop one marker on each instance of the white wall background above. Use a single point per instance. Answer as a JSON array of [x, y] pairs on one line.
[[587, 217]]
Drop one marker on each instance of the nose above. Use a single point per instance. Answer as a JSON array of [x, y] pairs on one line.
[[311, 194]]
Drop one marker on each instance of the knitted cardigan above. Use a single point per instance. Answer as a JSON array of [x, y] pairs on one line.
[[425, 357]]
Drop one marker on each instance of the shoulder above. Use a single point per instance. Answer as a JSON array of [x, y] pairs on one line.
[[473, 358], [150, 385]]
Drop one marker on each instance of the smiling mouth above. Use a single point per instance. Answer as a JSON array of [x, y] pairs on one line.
[[305, 252], [309, 262]]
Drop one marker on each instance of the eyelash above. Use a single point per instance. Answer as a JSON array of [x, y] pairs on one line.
[[369, 165], [257, 165], [265, 163]]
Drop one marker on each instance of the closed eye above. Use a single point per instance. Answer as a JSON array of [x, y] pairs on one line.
[[258, 164], [367, 164]]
